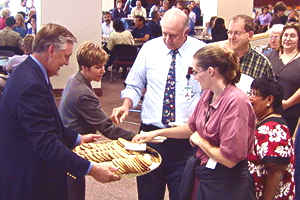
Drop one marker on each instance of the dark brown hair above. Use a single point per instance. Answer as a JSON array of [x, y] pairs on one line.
[[279, 6], [248, 21], [220, 58], [295, 26]]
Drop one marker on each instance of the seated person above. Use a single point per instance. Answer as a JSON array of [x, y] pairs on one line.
[[279, 16], [107, 27], [154, 25], [9, 39], [293, 16], [5, 12], [180, 4], [219, 31], [119, 35], [32, 22], [191, 22], [154, 7], [138, 10], [80, 108], [165, 6], [141, 32], [20, 27], [118, 12], [15, 60], [192, 15]]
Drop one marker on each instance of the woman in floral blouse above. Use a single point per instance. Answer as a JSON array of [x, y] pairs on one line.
[[271, 162]]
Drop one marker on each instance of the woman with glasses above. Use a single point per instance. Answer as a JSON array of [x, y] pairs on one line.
[[271, 161], [285, 64], [221, 129]]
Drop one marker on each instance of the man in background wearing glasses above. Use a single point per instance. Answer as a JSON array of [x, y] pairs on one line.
[[253, 63]]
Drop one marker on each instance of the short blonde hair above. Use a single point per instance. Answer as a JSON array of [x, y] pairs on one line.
[[89, 54], [19, 16], [5, 12]]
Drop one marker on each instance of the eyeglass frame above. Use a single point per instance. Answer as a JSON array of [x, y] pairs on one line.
[[237, 33], [193, 72]]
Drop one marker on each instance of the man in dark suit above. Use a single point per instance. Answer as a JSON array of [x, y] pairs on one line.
[[80, 108], [35, 147]]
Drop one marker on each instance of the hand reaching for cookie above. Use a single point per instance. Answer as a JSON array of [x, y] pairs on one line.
[[89, 138]]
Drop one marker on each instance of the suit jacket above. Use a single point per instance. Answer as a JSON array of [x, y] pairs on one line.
[[80, 110], [34, 145]]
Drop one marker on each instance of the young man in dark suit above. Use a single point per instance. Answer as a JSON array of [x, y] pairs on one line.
[[35, 147]]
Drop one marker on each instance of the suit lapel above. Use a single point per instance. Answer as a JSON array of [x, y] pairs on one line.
[[43, 81]]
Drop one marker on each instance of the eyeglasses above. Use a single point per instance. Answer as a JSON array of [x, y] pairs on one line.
[[237, 33], [194, 72]]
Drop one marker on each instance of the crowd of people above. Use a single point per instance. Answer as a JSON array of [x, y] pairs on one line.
[[229, 112], [13, 29]]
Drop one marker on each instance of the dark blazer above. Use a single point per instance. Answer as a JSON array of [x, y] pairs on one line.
[[116, 14], [34, 145], [80, 110]]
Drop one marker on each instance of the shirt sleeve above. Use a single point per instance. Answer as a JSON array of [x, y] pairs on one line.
[[274, 143], [237, 131], [192, 119], [136, 79]]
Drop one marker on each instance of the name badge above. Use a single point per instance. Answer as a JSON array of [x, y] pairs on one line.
[[189, 93], [211, 163]]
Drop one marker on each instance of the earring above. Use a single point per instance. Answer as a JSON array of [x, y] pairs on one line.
[[268, 105]]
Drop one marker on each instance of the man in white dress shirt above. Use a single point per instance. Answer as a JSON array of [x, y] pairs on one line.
[[138, 10], [107, 25], [150, 72]]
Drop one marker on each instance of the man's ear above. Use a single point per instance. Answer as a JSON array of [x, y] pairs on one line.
[[51, 49], [186, 31], [251, 33]]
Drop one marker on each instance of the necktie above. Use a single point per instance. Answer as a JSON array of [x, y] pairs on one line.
[[168, 113]]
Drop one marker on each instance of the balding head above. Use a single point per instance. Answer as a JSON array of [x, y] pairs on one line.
[[174, 25], [176, 18]]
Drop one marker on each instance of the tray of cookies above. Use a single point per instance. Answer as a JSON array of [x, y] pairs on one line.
[[129, 162]]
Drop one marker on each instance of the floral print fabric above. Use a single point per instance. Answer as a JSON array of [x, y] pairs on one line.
[[273, 143]]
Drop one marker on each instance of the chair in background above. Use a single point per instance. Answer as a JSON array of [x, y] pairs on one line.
[[123, 58]]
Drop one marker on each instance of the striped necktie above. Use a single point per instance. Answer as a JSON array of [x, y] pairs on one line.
[[168, 112]]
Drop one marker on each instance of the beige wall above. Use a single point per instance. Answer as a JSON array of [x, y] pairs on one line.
[[230, 8], [225, 8], [82, 18], [107, 5]]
